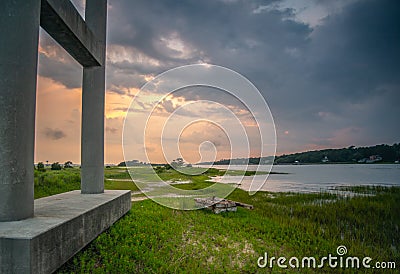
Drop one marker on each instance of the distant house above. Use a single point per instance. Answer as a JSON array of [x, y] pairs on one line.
[[373, 159], [325, 159]]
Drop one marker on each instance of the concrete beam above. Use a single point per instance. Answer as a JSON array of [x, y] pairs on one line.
[[61, 20], [62, 226], [19, 32], [93, 103]]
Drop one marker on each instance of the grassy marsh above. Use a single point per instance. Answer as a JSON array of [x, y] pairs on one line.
[[152, 238]]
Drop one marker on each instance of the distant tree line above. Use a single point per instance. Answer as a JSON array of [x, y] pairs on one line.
[[242, 161], [343, 155], [352, 154], [132, 163], [54, 166]]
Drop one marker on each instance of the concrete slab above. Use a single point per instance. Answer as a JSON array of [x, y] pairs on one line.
[[62, 226]]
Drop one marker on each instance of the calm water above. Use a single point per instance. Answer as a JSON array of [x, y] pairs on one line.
[[313, 178]]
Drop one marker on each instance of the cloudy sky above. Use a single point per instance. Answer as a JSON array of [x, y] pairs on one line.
[[329, 70]]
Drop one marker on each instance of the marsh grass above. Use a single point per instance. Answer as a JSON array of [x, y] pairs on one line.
[[53, 182], [152, 238], [155, 239], [116, 173], [120, 185]]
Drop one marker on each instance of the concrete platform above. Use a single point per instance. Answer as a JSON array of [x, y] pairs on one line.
[[62, 226]]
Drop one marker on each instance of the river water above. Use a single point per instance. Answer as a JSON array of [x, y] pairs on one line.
[[316, 178]]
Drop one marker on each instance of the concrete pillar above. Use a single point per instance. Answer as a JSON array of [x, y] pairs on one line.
[[19, 35], [93, 97]]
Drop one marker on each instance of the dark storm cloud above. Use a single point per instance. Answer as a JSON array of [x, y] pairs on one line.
[[57, 64], [228, 34], [54, 134], [352, 70], [358, 50], [346, 68], [333, 84]]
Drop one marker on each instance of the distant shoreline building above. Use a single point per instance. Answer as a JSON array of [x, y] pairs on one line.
[[371, 159]]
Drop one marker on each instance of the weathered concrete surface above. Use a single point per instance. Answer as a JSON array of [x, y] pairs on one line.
[[19, 32], [63, 22], [63, 225], [93, 103]]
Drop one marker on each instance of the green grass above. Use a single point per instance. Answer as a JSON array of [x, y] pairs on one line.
[[53, 182], [155, 239], [374, 189], [120, 185], [116, 173]]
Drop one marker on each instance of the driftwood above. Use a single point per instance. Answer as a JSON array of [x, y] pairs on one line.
[[218, 205]]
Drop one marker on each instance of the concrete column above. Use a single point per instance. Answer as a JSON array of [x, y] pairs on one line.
[[19, 35], [93, 98]]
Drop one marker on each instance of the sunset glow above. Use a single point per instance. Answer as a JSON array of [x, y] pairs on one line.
[[317, 101]]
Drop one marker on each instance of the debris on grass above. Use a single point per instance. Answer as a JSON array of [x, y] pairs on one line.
[[218, 205]]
